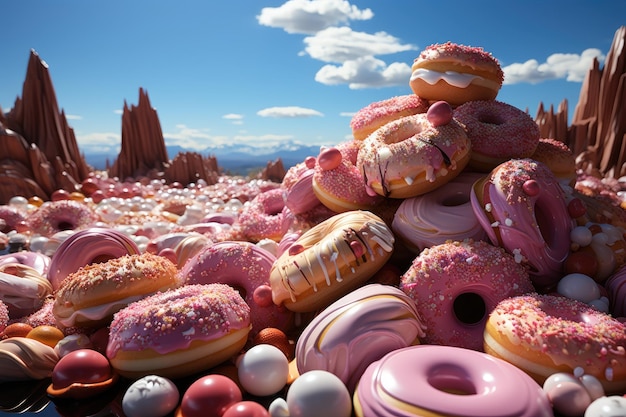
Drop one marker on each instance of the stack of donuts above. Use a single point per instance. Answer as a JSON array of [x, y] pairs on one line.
[[442, 262]]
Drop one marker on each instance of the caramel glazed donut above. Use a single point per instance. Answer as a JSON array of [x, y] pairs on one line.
[[343, 252]]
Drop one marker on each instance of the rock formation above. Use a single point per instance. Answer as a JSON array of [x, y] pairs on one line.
[[189, 167], [38, 150]]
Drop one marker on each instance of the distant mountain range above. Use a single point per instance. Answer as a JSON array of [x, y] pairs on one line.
[[234, 159]]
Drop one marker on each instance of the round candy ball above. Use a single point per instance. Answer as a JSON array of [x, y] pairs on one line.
[[246, 409], [318, 393], [82, 366], [210, 396], [263, 370], [150, 396], [610, 406]]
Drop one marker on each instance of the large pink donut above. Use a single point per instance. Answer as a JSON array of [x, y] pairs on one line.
[[88, 246], [445, 381], [246, 267], [56, 216], [455, 285], [265, 217], [522, 207]]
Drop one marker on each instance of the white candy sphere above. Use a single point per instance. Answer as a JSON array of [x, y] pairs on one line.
[[581, 235], [150, 396], [613, 406], [318, 393], [263, 370], [579, 287]]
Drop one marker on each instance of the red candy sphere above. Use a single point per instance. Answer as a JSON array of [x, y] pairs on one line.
[[329, 159], [439, 113], [210, 396], [246, 409], [82, 366]]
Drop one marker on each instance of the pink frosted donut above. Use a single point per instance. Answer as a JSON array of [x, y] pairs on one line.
[[36, 260], [440, 215], [523, 208], [12, 218], [379, 113], [246, 267], [56, 216], [299, 197], [546, 334], [445, 381], [88, 246], [265, 217], [4, 316], [616, 288], [358, 329], [455, 286], [337, 181], [498, 132], [413, 155], [178, 332]]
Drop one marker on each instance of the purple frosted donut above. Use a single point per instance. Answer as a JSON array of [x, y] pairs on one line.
[[616, 288]]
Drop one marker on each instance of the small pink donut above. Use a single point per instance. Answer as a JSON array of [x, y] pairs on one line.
[[337, 181], [445, 381], [88, 246], [12, 218], [498, 131], [246, 267], [522, 207], [56, 216], [265, 217], [616, 288], [440, 215], [455, 285], [379, 113], [36, 260]]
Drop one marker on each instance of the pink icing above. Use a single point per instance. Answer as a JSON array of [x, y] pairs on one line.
[[36, 260], [377, 113], [56, 216], [427, 377], [93, 245], [300, 197], [442, 214], [357, 330], [535, 227], [456, 284], [265, 217], [171, 320], [246, 267]]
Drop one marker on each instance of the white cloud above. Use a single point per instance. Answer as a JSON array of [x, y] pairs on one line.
[[347, 113], [289, 111], [118, 111], [232, 116], [99, 142], [306, 16], [340, 44], [189, 138], [572, 67], [364, 72], [73, 117]]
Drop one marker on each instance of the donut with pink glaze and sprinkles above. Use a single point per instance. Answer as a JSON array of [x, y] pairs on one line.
[[56, 216]]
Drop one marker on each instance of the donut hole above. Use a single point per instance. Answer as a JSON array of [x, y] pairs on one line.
[[451, 379], [65, 225], [469, 308], [100, 259], [491, 119], [545, 223], [455, 200]]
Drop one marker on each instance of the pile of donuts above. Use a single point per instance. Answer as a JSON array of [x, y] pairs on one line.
[[443, 262]]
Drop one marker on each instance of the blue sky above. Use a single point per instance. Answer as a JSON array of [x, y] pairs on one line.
[[268, 73]]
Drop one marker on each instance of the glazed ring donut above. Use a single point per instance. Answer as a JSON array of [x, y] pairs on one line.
[[411, 156], [522, 208], [338, 183], [330, 260], [439, 215], [455, 73], [498, 132], [246, 267], [379, 113], [546, 334], [451, 382], [456, 284], [264, 217], [85, 247], [56, 216]]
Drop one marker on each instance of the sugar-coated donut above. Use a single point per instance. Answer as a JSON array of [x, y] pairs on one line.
[[330, 260], [522, 207], [92, 245], [411, 156], [379, 113], [56, 216], [10, 218], [90, 296], [558, 157], [358, 329], [439, 215], [498, 131], [438, 381], [338, 183], [264, 217], [546, 334], [246, 267], [455, 73], [456, 284], [178, 332], [616, 288]]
